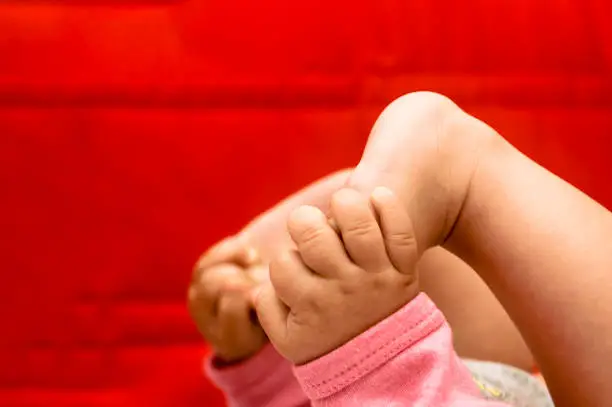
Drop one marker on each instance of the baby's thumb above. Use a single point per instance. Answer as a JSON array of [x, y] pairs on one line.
[[272, 314]]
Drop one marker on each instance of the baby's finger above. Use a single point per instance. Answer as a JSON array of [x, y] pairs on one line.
[[360, 231], [199, 307], [272, 314], [291, 278], [319, 245], [333, 225], [234, 315], [230, 250], [204, 294], [397, 230]]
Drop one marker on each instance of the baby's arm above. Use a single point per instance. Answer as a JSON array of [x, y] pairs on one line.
[[542, 246]]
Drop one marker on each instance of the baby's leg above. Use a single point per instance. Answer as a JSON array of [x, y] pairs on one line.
[[542, 246], [481, 327]]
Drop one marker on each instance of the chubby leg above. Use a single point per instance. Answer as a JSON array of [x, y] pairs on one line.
[[481, 327]]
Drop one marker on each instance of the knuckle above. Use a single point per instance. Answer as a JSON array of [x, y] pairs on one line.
[[380, 283], [311, 235], [361, 228], [347, 288], [306, 232], [401, 238]]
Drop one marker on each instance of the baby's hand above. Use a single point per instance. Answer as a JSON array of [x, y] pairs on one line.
[[339, 282], [219, 300]]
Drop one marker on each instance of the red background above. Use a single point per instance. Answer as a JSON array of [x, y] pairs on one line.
[[133, 134]]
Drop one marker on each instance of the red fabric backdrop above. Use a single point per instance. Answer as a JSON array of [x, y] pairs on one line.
[[135, 133]]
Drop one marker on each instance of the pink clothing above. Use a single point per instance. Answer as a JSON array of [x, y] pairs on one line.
[[407, 359], [266, 379]]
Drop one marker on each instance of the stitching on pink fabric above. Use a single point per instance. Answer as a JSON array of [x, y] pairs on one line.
[[390, 348]]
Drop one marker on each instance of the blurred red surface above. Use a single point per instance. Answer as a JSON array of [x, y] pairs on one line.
[[133, 134]]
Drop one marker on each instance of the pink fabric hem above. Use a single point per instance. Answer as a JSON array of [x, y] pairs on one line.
[[369, 351]]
